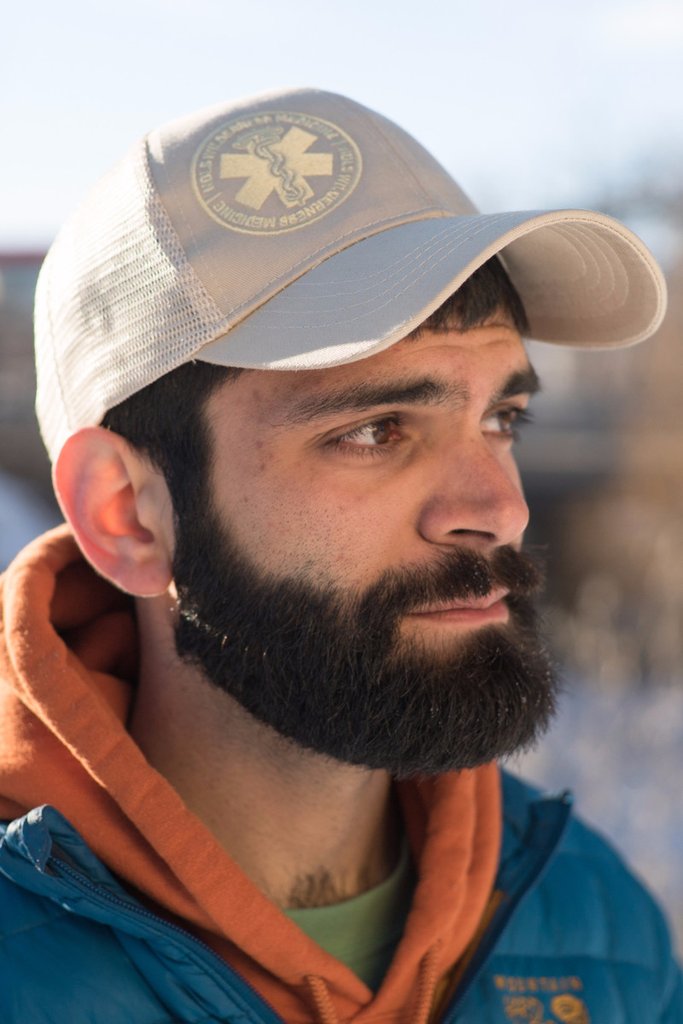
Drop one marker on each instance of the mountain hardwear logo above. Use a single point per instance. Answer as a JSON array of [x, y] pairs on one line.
[[567, 1009], [274, 171], [543, 1000]]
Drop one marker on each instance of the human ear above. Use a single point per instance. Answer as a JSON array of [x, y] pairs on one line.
[[119, 509]]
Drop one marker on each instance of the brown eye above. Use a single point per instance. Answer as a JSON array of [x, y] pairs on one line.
[[506, 422], [372, 435]]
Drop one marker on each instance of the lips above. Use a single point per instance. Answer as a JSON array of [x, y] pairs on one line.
[[465, 604]]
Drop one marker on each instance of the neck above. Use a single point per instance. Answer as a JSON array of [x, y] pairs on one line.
[[306, 829]]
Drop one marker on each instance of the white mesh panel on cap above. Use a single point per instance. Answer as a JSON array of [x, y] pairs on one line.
[[117, 304]]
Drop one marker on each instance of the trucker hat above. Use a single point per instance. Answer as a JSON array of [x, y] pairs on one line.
[[297, 230]]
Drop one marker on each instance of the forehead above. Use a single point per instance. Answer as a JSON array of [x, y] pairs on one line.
[[462, 365]]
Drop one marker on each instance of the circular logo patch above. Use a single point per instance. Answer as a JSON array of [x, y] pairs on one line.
[[274, 171], [570, 1010]]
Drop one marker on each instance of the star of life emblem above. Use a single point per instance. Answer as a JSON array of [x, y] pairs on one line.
[[274, 171]]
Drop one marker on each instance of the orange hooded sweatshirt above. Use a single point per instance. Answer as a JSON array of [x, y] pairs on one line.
[[68, 654]]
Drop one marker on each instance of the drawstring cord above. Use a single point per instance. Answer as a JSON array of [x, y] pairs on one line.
[[326, 1013], [426, 984], [322, 1000]]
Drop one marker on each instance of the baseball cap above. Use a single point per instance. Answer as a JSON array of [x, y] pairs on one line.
[[297, 230]]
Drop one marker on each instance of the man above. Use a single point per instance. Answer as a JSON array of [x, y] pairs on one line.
[[249, 761]]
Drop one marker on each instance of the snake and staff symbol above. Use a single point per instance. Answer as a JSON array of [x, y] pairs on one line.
[[273, 161]]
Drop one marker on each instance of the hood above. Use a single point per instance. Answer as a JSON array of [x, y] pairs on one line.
[[68, 658]]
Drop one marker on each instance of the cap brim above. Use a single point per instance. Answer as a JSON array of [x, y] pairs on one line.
[[584, 279]]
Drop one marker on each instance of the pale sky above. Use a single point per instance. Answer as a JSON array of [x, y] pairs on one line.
[[532, 103]]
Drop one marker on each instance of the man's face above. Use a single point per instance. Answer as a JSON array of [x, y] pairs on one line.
[[349, 582]]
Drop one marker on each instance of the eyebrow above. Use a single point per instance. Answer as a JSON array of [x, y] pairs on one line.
[[423, 391], [521, 382]]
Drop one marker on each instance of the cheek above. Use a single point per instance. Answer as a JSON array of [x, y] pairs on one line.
[[292, 518]]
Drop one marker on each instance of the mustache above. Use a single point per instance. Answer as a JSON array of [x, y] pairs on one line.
[[458, 574], [375, 611]]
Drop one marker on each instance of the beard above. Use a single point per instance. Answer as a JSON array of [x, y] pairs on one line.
[[329, 670]]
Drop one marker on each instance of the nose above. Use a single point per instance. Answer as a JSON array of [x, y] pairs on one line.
[[474, 496]]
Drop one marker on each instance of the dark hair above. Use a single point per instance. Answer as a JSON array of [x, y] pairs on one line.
[[164, 421], [489, 290]]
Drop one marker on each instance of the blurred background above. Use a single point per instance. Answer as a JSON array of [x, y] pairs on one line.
[[529, 105]]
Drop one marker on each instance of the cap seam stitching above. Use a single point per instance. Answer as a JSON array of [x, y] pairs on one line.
[[217, 314], [390, 145], [424, 249], [395, 294], [297, 266], [434, 244]]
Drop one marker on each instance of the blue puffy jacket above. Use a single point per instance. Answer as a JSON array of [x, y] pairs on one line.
[[574, 939]]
